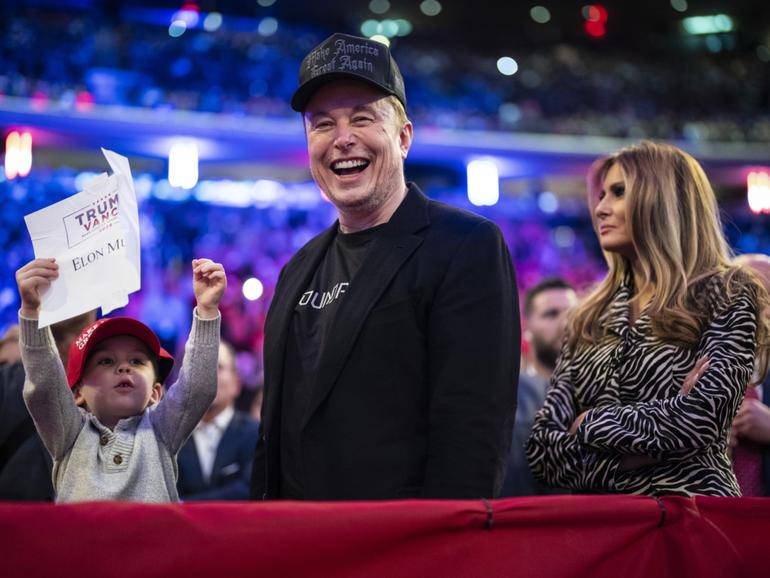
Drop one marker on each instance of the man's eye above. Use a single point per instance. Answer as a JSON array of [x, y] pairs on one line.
[[362, 120], [324, 124]]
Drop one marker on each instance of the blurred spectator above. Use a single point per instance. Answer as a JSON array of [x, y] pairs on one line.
[[215, 463], [750, 437], [25, 464], [76, 60], [546, 306], [9, 346]]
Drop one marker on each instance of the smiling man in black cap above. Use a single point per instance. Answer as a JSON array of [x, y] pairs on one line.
[[388, 364]]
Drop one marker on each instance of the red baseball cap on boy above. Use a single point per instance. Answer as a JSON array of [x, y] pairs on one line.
[[110, 327]]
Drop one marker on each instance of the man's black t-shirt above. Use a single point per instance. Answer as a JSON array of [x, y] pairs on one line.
[[308, 334]]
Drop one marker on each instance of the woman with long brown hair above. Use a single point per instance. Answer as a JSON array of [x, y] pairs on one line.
[[658, 356]]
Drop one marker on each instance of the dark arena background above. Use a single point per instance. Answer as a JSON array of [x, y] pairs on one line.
[[511, 102]]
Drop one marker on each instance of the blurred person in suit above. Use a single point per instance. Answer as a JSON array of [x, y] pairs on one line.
[[215, 463], [546, 306], [25, 464]]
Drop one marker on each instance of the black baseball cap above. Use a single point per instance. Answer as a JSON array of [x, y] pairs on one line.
[[343, 56]]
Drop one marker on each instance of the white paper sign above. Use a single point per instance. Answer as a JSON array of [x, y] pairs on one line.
[[94, 237]]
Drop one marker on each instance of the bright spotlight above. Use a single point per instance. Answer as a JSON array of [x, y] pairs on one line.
[[758, 185], [430, 7], [253, 289], [483, 182], [183, 164], [507, 66]]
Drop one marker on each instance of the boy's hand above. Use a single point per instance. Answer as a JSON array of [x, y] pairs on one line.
[[209, 282], [32, 279]]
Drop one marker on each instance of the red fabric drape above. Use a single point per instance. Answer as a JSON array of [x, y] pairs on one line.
[[555, 536]]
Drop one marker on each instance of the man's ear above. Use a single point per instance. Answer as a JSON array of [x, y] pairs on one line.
[[405, 139]]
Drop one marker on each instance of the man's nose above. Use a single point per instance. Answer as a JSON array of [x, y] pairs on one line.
[[344, 137]]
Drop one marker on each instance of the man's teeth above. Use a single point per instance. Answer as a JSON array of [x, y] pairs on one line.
[[348, 164]]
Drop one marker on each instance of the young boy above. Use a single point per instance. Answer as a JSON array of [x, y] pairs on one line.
[[103, 422]]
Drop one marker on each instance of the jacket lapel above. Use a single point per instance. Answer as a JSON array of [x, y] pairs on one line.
[[225, 455], [385, 257], [188, 456]]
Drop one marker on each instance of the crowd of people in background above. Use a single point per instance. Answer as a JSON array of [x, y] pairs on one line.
[[80, 61], [559, 90], [257, 242]]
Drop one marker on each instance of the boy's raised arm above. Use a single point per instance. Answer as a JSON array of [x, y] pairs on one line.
[[46, 392], [189, 398]]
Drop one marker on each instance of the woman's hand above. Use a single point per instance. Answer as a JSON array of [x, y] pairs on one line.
[[32, 279], [209, 283], [701, 366], [576, 424]]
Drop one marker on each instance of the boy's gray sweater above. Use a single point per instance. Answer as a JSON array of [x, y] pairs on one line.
[[136, 461]]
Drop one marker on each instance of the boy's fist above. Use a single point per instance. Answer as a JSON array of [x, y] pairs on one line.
[[209, 282], [32, 279]]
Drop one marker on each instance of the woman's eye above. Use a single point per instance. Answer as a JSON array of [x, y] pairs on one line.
[[618, 191]]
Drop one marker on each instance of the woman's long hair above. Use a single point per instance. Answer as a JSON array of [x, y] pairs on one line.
[[674, 224]]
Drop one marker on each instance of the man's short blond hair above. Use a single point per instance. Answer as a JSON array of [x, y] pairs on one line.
[[399, 109]]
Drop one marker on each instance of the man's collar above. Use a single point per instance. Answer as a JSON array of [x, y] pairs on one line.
[[221, 420], [412, 214]]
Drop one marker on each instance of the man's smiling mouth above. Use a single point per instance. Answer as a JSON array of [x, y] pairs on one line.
[[349, 166]]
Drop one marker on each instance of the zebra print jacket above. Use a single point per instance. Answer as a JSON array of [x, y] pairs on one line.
[[630, 384]]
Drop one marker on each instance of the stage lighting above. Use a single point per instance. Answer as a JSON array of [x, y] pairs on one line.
[[483, 182], [507, 66], [212, 22], [596, 17], [268, 26], [18, 154], [713, 24], [369, 28], [183, 164], [253, 289], [540, 14], [430, 7], [177, 28], [758, 185], [379, 6], [679, 5], [548, 202]]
